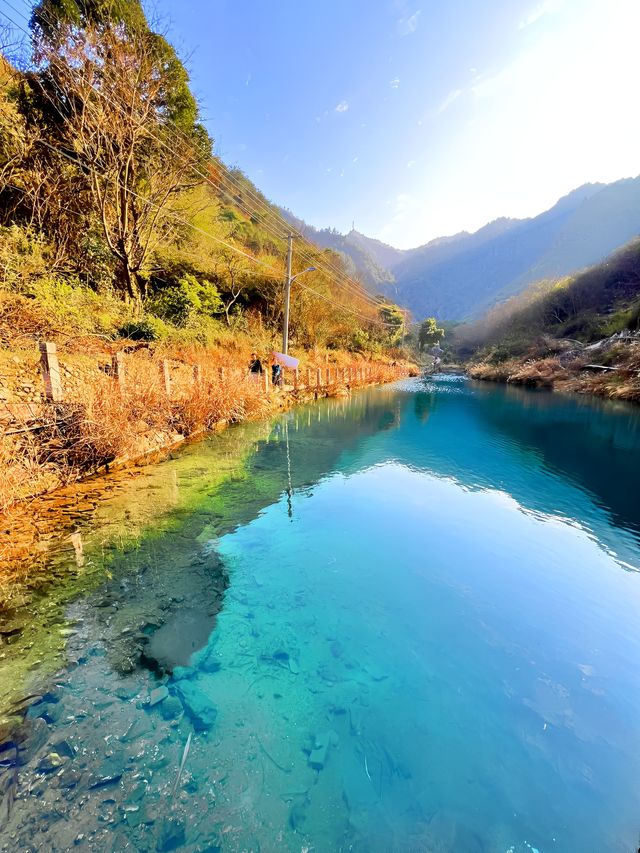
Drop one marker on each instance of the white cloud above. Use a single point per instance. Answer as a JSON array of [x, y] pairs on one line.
[[342, 107], [411, 164], [394, 83], [408, 24], [540, 11], [446, 103]]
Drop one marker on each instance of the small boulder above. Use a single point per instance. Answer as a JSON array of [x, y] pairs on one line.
[[199, 707], [158, 695], [171, 708]]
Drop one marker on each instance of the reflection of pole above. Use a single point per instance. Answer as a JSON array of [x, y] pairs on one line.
[[289, 485]]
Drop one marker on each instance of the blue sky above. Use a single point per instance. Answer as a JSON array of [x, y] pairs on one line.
[[412, 118]]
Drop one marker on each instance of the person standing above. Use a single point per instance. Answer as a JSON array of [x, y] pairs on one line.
[[276, 373], [255, 367]]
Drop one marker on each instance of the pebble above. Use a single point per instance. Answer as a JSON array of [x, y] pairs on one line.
[[105, 781]]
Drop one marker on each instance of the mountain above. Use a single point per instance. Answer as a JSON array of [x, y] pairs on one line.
[[467, 276], [462, 276], [367, 259]]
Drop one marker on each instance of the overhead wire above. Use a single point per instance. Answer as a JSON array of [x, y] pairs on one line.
[[359, 292], [265, 210]]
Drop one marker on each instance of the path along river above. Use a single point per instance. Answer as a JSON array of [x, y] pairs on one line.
[[406, 621]]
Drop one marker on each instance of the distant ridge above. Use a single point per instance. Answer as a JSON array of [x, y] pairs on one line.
[[461, 276]]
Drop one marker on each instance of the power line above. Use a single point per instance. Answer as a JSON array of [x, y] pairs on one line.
[[191, 225], [354, 287]]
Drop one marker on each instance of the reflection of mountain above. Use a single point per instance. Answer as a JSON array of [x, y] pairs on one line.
[[552, 454], [588, 443]]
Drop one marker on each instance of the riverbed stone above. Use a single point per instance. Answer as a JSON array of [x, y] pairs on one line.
[[159, 694], [51, 762], [104, 781], [321, 745], [199, 707], [140, 727], [171, 708]]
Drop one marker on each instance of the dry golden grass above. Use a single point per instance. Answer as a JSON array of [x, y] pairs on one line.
[[102, 420], [623, 383]]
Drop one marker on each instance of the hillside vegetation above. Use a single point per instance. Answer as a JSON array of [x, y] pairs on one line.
[[117, 220], [581, 332]]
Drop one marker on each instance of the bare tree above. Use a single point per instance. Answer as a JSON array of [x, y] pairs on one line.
[[233, 275], [109, 92]]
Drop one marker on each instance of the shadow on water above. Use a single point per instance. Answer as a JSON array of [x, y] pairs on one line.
[[385, 623]]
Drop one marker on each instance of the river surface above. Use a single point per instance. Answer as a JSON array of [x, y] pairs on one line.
[[405, 621]]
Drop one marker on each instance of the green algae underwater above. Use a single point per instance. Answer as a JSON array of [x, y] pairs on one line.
[[402, 621]]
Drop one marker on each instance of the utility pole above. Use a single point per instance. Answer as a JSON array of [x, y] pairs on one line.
[[287, 298]]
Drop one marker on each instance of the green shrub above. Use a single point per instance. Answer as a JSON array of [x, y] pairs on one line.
[[146, 329], [178, 303]]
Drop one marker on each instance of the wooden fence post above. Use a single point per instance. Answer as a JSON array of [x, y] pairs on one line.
[[328, 376], [118, 369], [266, 381], [50, 372], [221, 373], [308, 377], [319, 377], [197, 374], [165, 376]]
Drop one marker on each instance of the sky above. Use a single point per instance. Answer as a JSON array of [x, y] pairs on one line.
[[415, 118]]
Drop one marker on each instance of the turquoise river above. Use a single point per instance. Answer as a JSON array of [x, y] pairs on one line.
[[403, 621]]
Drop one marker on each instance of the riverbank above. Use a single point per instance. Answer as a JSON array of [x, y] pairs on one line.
[[121, 408], [609, 368]]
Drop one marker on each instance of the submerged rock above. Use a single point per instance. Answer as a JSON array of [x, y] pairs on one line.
[[141, 726], [51, 762], [158, 695], [171, 708], [199, 707], [321, 746], [105, 781], [172, 645]]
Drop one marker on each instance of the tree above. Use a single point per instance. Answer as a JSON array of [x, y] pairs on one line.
[[109, 92], [394, 320], [51, 19], [113, 98], [429, 334], [233, 275]]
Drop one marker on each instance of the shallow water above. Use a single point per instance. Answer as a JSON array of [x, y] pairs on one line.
[[406, 621]]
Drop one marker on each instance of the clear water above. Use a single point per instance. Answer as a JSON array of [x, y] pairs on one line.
[[427, 639]]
